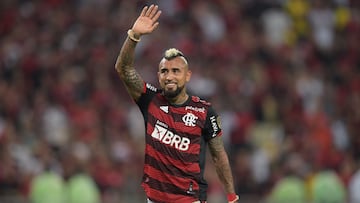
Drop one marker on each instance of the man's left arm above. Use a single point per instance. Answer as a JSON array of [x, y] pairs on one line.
[[222, 165]]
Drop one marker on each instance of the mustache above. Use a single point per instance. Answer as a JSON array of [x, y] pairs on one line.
[[170, 82]]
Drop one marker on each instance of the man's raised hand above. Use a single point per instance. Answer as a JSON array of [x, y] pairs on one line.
[[147, 21]]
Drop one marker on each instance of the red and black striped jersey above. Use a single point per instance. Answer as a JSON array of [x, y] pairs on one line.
[[176, 139]]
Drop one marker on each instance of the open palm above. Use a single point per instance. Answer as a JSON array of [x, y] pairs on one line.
[[147, 21]]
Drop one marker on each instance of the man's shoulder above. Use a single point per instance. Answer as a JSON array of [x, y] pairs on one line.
[[199, 100]]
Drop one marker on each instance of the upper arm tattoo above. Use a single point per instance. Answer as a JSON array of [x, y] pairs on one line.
[[125, 68], [133, 81]]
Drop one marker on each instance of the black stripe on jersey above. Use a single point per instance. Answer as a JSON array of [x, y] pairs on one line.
[[156, 144], [171, 170], [169, 188], [203, 185]]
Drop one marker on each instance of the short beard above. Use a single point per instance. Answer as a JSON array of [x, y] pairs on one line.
[[173, 94]]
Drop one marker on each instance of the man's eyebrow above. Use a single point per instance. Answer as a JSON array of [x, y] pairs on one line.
[[163, 67]]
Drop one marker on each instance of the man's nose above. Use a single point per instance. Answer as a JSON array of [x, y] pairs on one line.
[[169, 76]]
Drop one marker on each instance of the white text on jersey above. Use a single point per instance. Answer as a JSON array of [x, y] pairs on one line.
[[169, 138]]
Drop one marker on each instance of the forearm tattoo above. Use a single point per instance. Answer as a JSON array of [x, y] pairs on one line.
[[221, 163], [125, 68]]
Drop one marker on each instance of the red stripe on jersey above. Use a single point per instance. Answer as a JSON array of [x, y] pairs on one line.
[[187, 129], [194, 147], [181, 183], [187, 167], [159, 196], [144, 88]]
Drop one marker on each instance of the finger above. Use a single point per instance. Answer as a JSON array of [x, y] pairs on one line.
[[143, 12], [154, 26], [154, 10], [157, 15], [149, 10]]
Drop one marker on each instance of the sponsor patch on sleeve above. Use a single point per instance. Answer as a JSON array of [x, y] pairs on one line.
[[151, 87], [215, 125]]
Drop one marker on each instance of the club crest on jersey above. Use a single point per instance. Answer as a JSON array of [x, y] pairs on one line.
[[189, 119]]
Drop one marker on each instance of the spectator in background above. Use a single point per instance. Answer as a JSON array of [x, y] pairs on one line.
[[276, 25], [81, 188], [326, 186], [322, 23], [48, 187], [289, 189], [291, 186], [354, 188]]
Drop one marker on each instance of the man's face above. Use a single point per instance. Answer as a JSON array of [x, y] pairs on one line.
[[173, 75]]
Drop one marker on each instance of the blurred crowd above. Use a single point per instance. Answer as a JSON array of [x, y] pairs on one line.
[[283, 74]]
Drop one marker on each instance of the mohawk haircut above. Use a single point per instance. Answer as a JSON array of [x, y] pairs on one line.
[[173, 53]]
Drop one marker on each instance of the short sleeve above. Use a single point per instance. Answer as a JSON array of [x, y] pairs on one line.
[[145, 98], [212, 126]]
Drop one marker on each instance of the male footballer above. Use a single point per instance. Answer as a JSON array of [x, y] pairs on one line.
[[179, 126]]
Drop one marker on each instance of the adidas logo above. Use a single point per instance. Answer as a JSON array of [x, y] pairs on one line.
[[165, 109]]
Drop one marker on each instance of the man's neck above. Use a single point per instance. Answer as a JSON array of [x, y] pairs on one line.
[[178, 100]]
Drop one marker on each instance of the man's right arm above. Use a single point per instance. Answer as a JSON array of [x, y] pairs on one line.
[[144, 24], [126, 71]]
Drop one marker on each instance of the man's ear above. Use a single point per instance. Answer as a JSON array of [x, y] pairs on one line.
[[188, 75]]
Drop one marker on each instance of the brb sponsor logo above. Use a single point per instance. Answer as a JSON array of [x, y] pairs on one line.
[[167, 137]]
